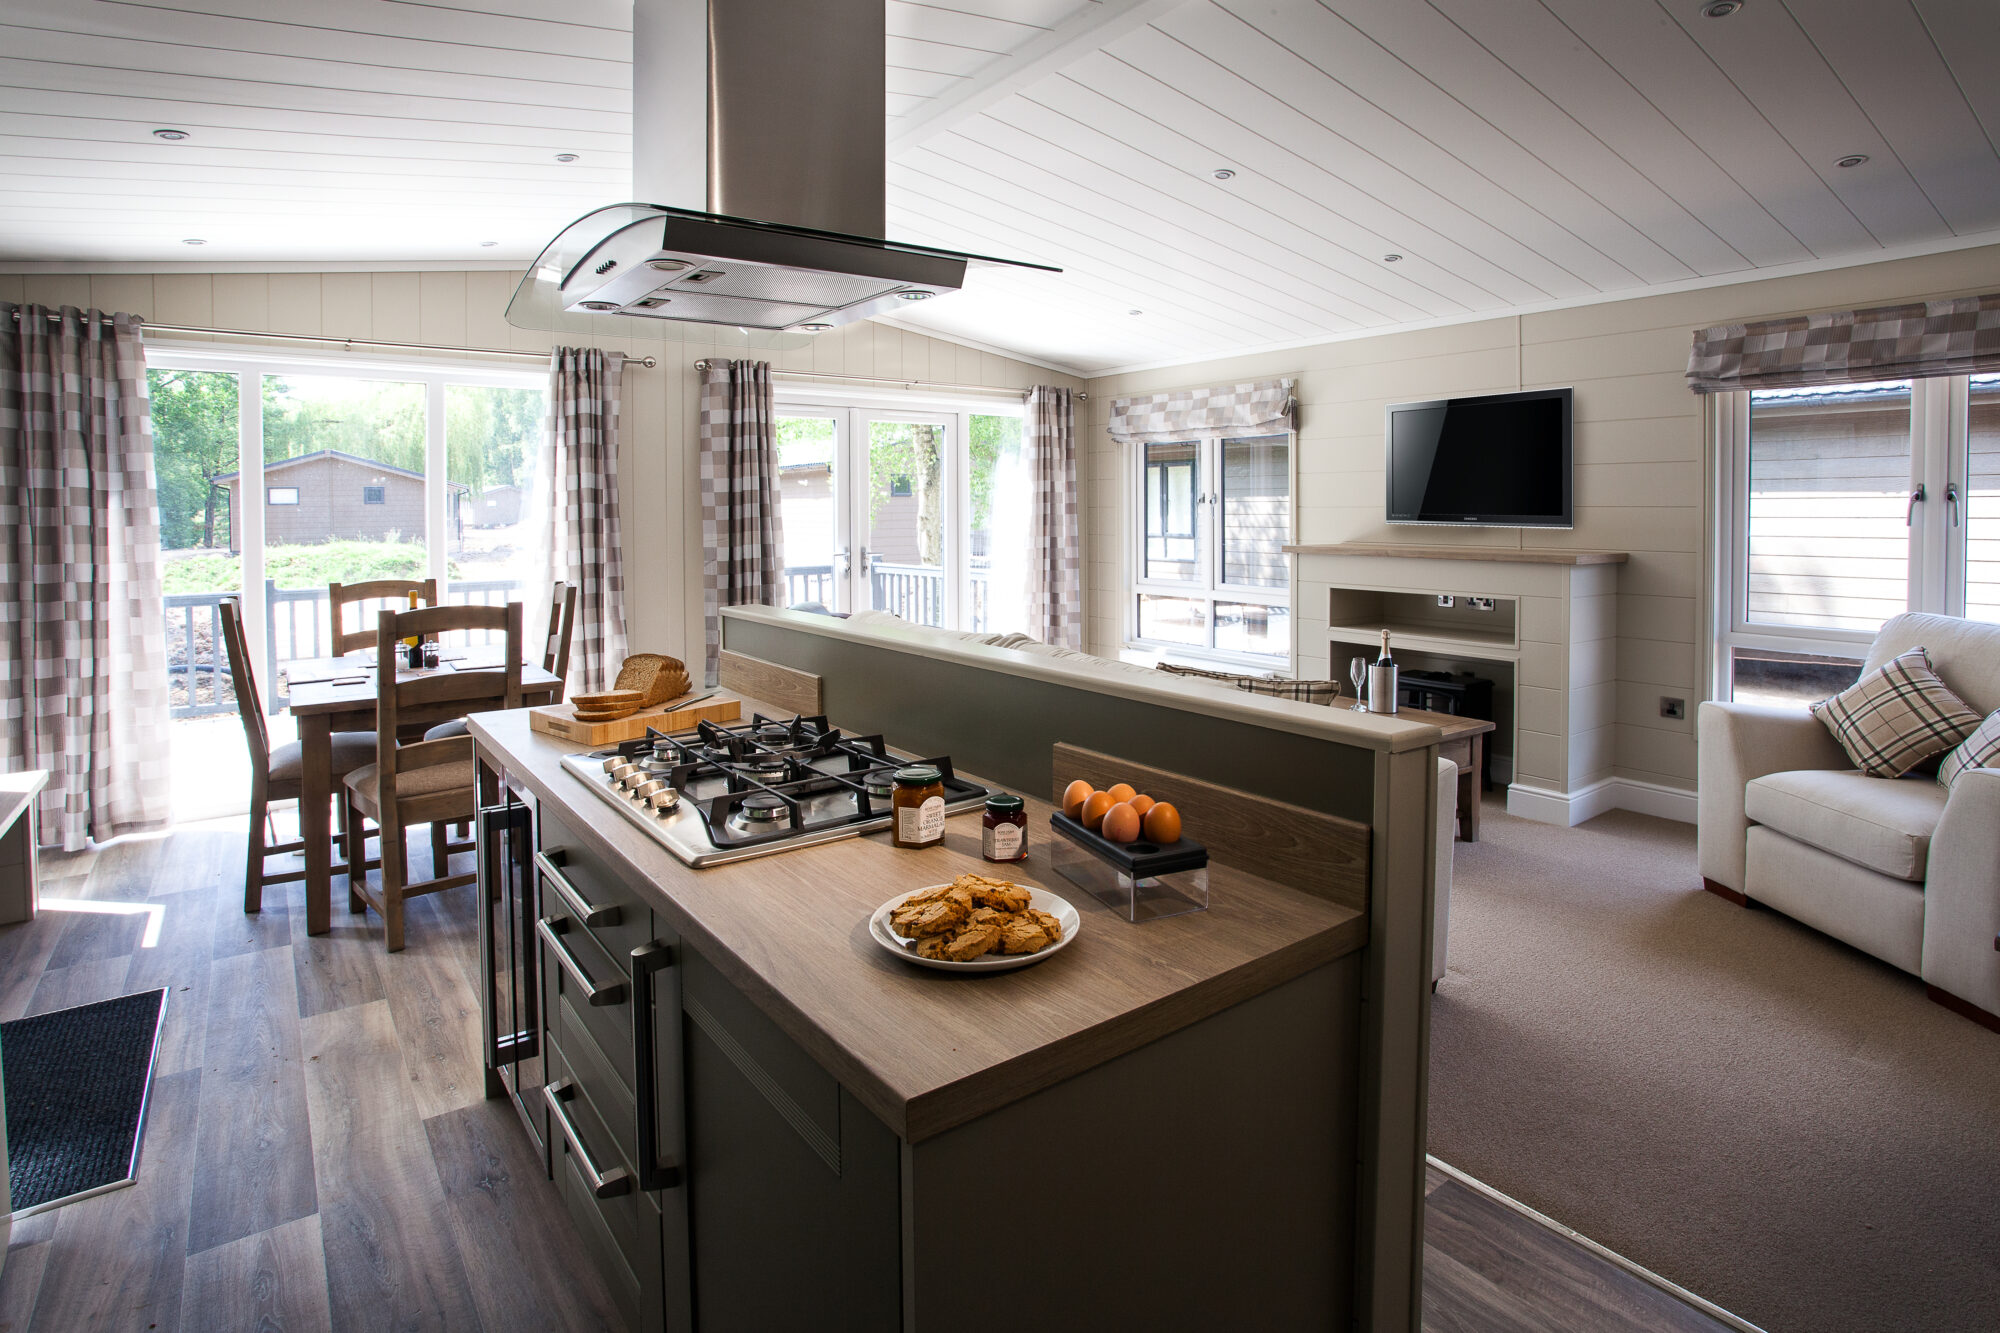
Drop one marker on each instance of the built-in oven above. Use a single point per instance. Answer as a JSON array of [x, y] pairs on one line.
[[510, 957]]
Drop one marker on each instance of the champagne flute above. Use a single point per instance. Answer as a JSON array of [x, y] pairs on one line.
[[1357, 671]]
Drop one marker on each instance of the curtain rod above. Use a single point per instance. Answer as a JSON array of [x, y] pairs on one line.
[[344, 342], [888, 379]]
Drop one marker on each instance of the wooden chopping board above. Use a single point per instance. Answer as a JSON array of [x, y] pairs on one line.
[[560, 720]]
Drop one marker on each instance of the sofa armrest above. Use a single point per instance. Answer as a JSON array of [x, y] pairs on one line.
[[1734, 744], [1962, 892]]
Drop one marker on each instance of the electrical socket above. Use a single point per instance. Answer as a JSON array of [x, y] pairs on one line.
[[1446, 599], [1671, 707], [1480, 603]]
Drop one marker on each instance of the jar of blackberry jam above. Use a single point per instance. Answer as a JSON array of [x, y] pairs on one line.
[[1004, 832]]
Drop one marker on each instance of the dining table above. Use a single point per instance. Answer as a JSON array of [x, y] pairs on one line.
[[338, 694]]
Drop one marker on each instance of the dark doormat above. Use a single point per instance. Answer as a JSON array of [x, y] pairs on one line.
[[76, 1083]]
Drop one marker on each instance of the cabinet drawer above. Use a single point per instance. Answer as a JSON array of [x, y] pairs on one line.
[[609, 1025], [622, 1232], [583, 886], [604, 1076]]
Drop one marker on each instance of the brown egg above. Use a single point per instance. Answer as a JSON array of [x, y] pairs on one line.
[[1163, 823], [1121, 791], [1095, 807], [1074, 796], [1142, 803], [1121, 823]]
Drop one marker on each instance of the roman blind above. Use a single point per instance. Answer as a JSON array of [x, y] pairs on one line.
[[1914, 341], [1260, 407]]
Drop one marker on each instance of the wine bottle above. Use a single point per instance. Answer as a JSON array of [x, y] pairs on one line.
[[412, 641], [1382, 681]]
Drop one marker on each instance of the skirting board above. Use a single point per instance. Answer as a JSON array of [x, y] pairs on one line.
[[1572, 808]]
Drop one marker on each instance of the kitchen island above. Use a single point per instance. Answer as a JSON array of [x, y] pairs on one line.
[[759, 1119]]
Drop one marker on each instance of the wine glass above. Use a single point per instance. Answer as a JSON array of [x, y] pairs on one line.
[[1357, 671]]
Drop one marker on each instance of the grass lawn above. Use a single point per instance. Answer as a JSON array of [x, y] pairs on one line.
[[297, 566]]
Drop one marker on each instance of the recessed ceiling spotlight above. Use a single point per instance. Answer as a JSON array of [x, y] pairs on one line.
[[171, 136], [916, 294], [565, 157], [1392, 259], [1135, 312], [1225, 174], [1852, 160], [488, 245], [1720, 9], [194, 240]]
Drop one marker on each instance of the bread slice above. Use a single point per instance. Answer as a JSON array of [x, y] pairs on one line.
[[608, 699], [656, 677]]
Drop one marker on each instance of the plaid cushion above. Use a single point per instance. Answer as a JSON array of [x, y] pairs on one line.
[[1897, 716], [1304, 691], [1979, 750]]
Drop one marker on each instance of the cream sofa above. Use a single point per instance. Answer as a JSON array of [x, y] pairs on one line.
[[1891, 866]]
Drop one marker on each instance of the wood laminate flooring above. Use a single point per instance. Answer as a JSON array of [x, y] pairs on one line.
[[319, 1149], [320, 1153]]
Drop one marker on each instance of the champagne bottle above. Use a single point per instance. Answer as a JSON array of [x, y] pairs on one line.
[[1382, 681]]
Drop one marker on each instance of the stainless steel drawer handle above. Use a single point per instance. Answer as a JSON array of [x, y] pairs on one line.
[[603, 1184], [551, 929], [550, 864]]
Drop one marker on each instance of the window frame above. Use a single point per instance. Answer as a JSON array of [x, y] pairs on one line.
[[851, 410], [271, 494], [1211, 587], [1937, 578]]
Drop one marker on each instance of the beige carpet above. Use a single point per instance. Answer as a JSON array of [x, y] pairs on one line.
[[1770, 1118]]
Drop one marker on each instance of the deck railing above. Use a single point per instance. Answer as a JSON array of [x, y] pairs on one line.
[[809, 583], [916, 592], [296, 626]]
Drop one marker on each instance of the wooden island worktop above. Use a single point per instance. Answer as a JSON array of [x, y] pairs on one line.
[[922, 1050]]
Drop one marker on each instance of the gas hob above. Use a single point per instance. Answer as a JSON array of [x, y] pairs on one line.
[[728, 793]]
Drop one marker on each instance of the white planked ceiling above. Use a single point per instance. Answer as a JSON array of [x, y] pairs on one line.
[[1516, 153]]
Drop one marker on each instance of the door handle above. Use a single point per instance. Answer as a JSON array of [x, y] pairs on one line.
[[599, 994], [654, 1172], [1916, 498], [1951, 499], [603, 1184]]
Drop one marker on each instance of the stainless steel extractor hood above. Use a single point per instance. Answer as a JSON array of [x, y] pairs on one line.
[[760, 123]]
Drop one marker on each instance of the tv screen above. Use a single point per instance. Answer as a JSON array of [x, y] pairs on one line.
[[1500, 461]]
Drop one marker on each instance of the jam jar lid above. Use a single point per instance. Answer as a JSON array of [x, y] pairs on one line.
[[1004, 802], [918, 775]]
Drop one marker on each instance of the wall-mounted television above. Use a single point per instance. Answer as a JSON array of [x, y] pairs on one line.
[[1502, 460]]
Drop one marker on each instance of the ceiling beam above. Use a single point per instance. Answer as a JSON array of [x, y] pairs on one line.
[[1083, 33]]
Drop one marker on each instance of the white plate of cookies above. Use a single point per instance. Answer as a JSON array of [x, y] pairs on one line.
[[976, 923]]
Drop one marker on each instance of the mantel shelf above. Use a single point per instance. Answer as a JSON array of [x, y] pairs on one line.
[[1499, 644], [1498, 554]]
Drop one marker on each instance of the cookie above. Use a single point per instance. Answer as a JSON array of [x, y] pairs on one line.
[[1047, 922], [1023, 934], [933, 918], [972, 942]]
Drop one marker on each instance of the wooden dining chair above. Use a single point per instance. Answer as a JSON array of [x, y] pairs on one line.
[[562, 624], [428, 781], [279, 774], [555, 654], [340, 596]]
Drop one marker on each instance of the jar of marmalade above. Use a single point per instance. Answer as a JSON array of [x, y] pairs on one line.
[[918, 806], [1004, 836]]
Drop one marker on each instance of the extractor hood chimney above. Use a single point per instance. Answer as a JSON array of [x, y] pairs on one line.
[[757, 125]]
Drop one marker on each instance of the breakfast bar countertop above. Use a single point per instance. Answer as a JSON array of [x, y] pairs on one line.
[[927, 1051]]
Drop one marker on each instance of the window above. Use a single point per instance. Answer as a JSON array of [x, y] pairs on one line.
[[1212, 578], [1845, 505], [919, 508], [443, 457]]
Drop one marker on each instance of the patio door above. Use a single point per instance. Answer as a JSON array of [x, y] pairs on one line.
[[905, 514]]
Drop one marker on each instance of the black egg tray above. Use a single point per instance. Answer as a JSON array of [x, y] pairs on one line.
[[1140, 860]]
